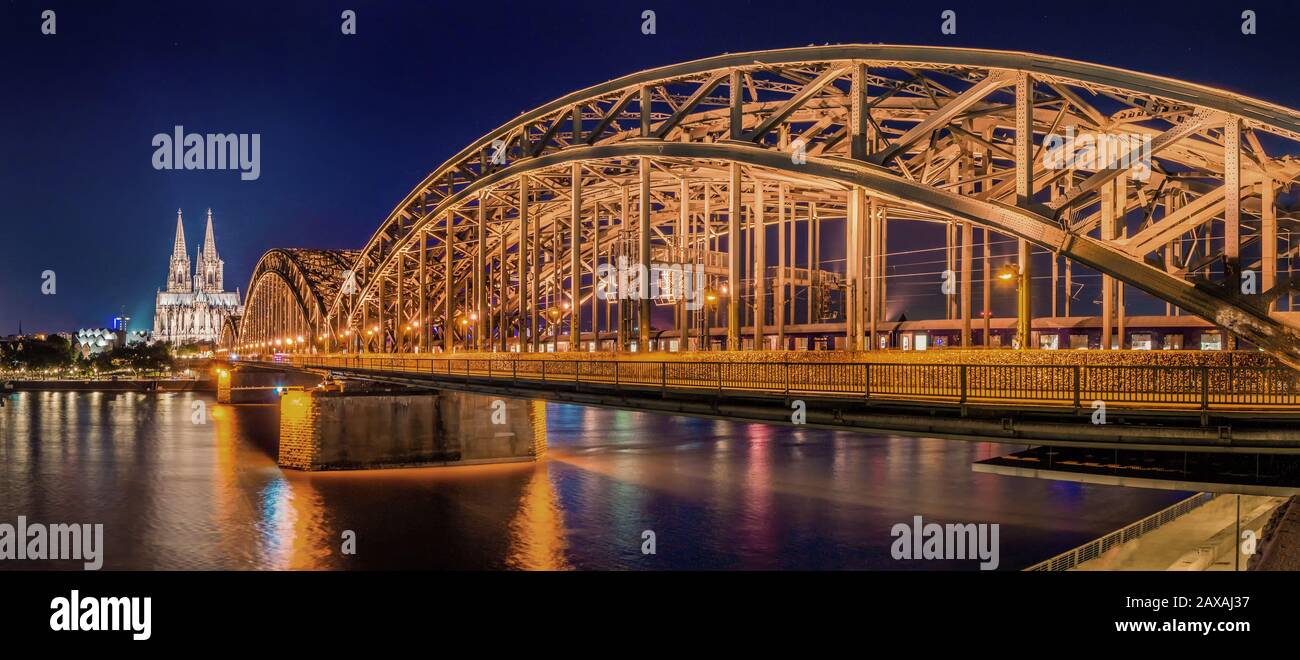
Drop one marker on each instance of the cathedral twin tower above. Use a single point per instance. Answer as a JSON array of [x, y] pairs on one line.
[[208, 269], [194, 306]]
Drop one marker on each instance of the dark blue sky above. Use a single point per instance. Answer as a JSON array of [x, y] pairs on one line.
[[350, 123]]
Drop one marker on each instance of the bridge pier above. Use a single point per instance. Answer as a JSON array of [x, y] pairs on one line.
[[340, 430], [254, 385]]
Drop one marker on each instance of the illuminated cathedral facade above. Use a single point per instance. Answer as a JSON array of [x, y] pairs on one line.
[[195, 304]]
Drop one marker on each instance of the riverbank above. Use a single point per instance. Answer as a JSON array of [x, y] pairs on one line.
[[1204, 539], [120, 385]]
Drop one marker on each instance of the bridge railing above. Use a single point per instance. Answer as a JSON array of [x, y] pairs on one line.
[[1078, 386]]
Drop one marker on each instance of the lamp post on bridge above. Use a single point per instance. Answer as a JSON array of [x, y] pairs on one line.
[[711, 298], [1020, 274], [554, 315], [464, 323]]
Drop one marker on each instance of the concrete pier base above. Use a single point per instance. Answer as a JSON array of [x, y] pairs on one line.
[[333, 430]]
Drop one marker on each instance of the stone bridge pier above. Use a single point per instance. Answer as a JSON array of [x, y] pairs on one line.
[[332, 429]]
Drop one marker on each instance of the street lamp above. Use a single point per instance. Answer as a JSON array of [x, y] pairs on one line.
[[1024, 313], [711, 298], [553, 315]]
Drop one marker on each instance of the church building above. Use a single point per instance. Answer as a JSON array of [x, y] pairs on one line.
[[195, 304]]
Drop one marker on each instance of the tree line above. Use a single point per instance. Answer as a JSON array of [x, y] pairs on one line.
[[56, 352]]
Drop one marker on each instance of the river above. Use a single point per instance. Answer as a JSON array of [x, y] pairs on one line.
[[180, 482]]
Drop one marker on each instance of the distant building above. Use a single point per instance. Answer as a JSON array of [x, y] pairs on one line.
[[92, 341], [194, 306]]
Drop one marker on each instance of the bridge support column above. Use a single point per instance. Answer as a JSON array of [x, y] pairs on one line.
[[330, 430], [381, 330], [620, 241], [967, 254], [643, 253], [1232, 216], [810, 237], [1268, 240], [522, 270], [875, 230], [782, 236], [1069, 286], [853, 245], [1121, 230], [987, 293], [733, 259], [503, 285], [760, 266], [1025, 298], [448, 284], [575, 258], [1024, 197], [1112, 218], [882, 266], [950, 266]]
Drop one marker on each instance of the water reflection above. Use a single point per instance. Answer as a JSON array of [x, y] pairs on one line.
[[175, 494], [537, 530]]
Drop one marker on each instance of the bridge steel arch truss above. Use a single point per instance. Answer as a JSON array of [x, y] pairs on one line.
[[288, 296], [709, 161]]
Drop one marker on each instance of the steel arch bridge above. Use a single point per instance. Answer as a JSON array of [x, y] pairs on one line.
[[708, 162], [288, 296]]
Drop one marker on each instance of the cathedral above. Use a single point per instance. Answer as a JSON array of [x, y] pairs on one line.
[[195, 305]]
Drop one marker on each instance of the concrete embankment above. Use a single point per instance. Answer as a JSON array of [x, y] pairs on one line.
[[1204, 539]]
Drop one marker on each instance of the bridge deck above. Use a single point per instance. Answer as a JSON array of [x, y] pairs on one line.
[[1172, 389]]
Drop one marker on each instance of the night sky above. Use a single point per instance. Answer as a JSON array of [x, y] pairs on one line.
[[349, 124]]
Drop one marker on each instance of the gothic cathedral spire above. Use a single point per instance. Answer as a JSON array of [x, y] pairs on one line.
[[208, 273], [178, 247], [209, 243], [178, 270]]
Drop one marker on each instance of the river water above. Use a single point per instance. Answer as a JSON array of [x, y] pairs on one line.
[[180, 482]]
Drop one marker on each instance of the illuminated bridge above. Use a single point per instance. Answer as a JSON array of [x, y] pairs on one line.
[[794, 184]]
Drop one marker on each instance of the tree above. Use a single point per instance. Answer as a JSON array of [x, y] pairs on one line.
[[35, 354]]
